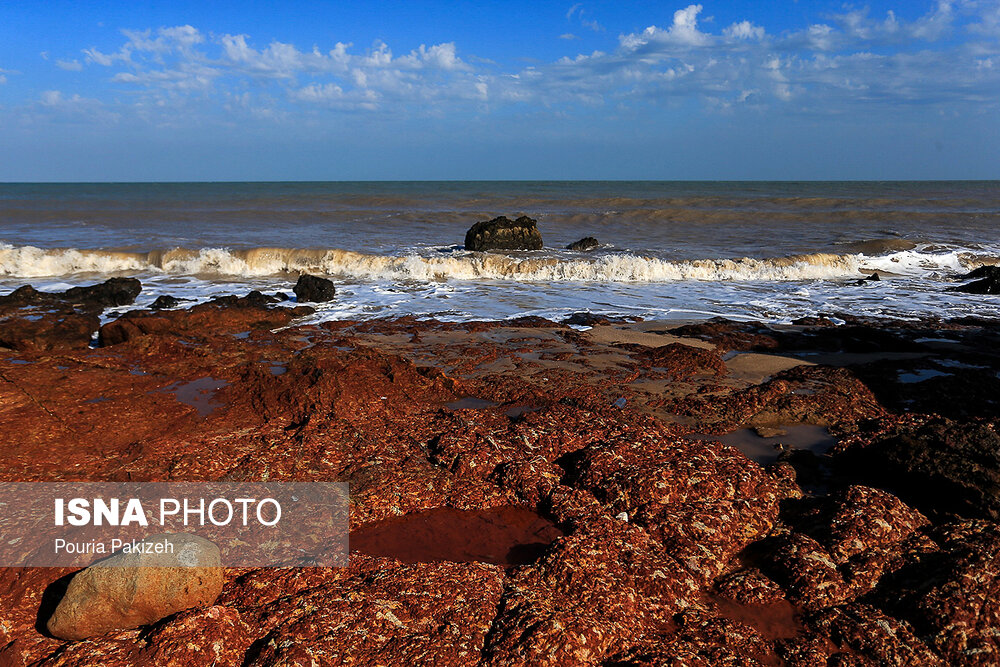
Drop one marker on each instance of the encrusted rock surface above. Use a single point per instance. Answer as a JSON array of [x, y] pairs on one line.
[[314, 289], [657, 546], [502, 233]]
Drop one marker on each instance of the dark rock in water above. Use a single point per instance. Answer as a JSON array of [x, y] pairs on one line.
[[504, 234], [942, 466], [584, 319], [166, 301], [584, 244], [874, 277], [314, 289], [985, 271], [988, 281], [112, 292], [253, 299]]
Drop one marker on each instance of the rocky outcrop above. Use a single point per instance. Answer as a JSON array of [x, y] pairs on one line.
[[242, 314], [504, 234], [986, 280], [606, 531], [314, 289], [939, 466], [112, 292], [33, 320], [28, 330], [129, 590], [584, 244]]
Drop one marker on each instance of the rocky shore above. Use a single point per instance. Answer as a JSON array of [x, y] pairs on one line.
[[531, 492]]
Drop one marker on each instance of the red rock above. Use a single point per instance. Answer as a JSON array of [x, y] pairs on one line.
[[675, 551], [32, 329]]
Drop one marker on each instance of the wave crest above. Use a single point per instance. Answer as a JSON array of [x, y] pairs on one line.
[[31, 262]]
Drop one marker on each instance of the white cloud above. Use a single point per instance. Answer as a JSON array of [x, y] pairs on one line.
[[69, 65], [744, 30], [682, 33], [849, 58]]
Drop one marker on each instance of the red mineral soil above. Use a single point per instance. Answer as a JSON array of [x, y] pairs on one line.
[[466, 444], [503, 535]]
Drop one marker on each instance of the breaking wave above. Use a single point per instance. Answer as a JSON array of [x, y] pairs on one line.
[[29, 262]]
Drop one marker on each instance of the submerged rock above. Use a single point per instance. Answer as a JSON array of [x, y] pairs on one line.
[[314, 289], [129, 590], [165, 301], [584, 244], [504, 234]]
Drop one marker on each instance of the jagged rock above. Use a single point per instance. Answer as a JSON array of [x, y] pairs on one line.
[[112, 292], [253, 299], [33, 320], [314, 289], [985, 271], [986, 280], [504, 234], [128, 590], [942, 466], [584, 244]]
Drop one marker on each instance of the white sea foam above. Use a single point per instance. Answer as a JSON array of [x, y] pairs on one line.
[[225, 264], [29, 262]]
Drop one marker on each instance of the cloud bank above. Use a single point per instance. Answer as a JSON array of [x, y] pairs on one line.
[[949, 57]]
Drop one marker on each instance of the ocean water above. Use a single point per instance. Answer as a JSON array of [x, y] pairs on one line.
[[765, 250]]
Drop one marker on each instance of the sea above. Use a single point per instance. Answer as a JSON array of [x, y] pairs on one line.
[[770, 251]]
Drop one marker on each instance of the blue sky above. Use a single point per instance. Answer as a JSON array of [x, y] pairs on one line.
[[511, 90]]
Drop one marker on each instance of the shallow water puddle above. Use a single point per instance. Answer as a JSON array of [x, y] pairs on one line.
[[199, 394], [518, 410], [502, 535], [766, 450], [920, 375], [470, 403], [777, 620]]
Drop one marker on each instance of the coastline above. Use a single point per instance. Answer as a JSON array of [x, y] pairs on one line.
[[874, 537]]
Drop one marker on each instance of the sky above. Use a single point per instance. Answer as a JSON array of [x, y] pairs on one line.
[[402, 90]]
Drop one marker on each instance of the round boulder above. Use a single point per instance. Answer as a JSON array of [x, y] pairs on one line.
[[166, 574], [313, 289]]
